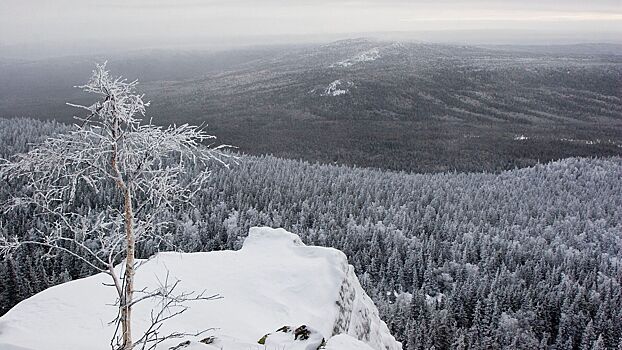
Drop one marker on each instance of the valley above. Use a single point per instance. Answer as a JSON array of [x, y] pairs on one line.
[[402, 106]]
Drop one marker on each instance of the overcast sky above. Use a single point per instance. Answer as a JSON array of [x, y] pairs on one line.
[[155, 22]]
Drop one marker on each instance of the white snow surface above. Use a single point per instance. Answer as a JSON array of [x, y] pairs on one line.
[[274, 280], [367, 56], [278, 340], [345, 342], [336, 88]]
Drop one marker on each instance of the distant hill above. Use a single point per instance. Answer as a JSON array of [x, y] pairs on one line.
[[403, 106]]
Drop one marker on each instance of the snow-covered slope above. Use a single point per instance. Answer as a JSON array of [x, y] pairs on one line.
[[367, 56], [274, 280]]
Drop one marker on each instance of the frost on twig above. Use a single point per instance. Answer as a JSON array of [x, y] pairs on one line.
[[169, 303]]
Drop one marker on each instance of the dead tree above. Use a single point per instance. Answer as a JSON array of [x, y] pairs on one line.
[[112, 147]]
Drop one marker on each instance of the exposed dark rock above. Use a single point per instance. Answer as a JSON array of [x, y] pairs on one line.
[[181, 345], [284, 329], [302, 333], [208, 340], [262, 341]]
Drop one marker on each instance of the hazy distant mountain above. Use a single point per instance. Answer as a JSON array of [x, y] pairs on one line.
[[421, 107]]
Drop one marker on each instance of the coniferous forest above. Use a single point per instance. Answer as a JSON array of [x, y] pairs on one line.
[[523, 259]]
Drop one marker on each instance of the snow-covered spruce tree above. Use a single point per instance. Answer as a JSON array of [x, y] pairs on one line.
[[137, 169]]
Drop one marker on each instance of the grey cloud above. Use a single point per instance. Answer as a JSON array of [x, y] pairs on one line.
[[158, 21]]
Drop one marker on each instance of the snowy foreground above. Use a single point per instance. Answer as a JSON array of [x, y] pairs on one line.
[[273, 281]]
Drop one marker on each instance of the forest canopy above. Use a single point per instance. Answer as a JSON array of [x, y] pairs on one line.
[[524, 259]]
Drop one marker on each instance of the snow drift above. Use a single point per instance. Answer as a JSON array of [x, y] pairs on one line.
[[272, 282]]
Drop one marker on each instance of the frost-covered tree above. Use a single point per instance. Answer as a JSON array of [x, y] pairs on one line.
[[135, 170]]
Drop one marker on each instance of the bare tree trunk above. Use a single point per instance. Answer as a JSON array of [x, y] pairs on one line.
[[128, 277], [126, 312]]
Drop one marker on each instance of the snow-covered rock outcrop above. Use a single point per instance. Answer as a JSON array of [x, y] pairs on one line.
[[337, 88], [274, 280]]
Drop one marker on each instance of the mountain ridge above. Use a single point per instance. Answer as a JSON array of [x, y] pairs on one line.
[[419, 107]]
